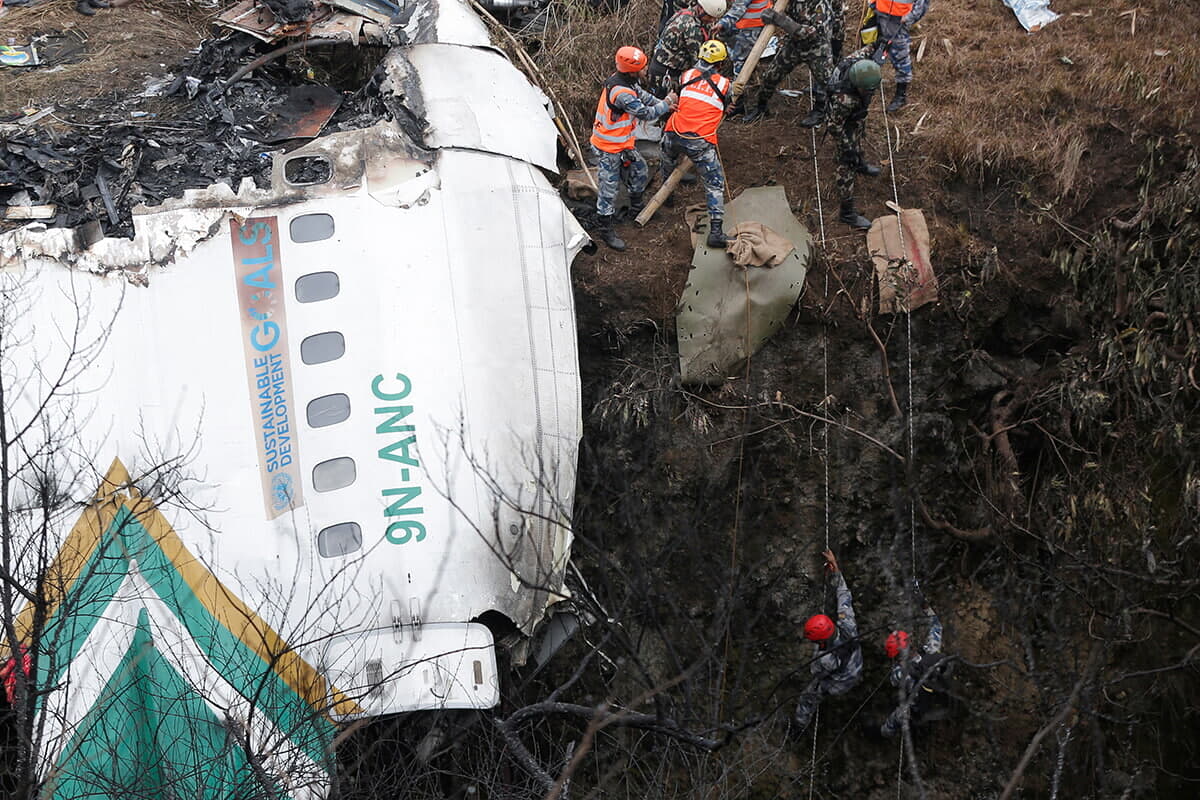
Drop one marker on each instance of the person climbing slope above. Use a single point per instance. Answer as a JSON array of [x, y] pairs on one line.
[[920, 676], [837, 664]]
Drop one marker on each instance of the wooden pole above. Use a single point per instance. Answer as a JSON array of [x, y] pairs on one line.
[[567, 131], [764, 38], [739, 86], [664, 191]]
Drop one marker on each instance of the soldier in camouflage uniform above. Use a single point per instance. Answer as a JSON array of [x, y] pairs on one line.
[[851, 89], [679, 42], [838, 665], [807, 25]]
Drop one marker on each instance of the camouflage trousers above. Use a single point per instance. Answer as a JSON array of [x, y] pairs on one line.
[[608, 177], [704, 156], [895, 43], [837, 21], [793, 52], [743, 43], [849, 153], [818, 689]]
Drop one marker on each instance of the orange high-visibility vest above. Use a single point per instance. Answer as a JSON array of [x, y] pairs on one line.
[[612, 131], [753, 16], [701, 106], [895, 9]]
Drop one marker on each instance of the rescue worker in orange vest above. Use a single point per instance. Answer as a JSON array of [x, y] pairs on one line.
[[744, 21], [895, 18], [613, 141], [692, 131]]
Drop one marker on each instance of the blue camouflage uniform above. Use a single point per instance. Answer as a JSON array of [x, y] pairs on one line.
[[839, 663], [743, 38], [608, 165], [908, 672], [895, 39]]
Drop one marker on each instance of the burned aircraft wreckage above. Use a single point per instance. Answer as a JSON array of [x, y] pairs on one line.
[[358, 355]]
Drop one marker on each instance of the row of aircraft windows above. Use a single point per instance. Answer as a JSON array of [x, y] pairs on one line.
[[336, 473]]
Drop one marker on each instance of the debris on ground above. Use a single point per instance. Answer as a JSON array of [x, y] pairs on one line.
[[899, 247]]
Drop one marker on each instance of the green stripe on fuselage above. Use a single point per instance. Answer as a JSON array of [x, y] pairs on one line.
[[88, 599]]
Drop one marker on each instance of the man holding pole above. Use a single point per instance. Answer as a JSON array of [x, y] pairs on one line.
[[807, 25], [613, 141], [692, 131]]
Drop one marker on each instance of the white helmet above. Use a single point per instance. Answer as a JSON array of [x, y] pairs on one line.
[[714, 8]]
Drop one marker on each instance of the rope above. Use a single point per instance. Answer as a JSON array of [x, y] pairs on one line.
[[900, 769], [910, 467], [737, 495], [812, 765], [812, 768]]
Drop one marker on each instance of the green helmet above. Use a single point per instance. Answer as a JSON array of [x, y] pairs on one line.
[[864, 75]]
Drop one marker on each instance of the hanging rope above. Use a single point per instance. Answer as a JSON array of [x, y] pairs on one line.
[[812, 769], [910, 467]]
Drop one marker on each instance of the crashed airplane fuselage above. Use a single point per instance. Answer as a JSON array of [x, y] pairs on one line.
[[302, 438]]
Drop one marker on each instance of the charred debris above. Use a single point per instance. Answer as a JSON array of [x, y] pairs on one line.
[[274, 75]]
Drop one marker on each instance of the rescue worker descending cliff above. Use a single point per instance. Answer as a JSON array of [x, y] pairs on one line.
[[838, 663]]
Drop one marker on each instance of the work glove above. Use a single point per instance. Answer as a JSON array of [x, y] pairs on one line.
[[786, 23]]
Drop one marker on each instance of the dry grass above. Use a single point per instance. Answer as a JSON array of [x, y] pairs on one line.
[[1004, 101], [121, 47], [998, 103], [578, 46]]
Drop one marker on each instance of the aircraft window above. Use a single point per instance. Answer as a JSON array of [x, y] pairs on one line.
[[328, 410], [336, 473], [339, 540], [322, 347], [311, 228], [317, 286]]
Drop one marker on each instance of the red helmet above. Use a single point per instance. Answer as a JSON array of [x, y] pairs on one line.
[[896, 641], [631, 59], [818, 628]]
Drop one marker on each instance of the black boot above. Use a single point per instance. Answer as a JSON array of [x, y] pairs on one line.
[[607, 235], [759, 111], [817, 115], [716, 236], [637, 201], [864, 167], [98, 4], [85, 8], [835, 47], [851, 217], [899, 99]]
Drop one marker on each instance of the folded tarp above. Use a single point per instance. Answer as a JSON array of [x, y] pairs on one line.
[[726, 312]]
